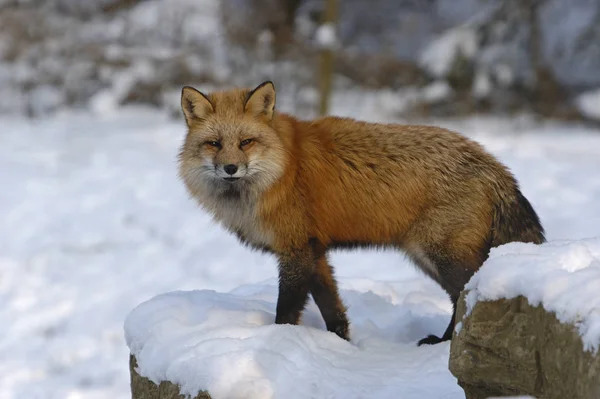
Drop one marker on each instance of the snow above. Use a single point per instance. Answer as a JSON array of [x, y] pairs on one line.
[[436, 91], [504, 74], [482, 86], [95, 222], [439, 54], [227, 344], [589, 104], [108, 101], [46, 98], [562, 276], [325, 36]]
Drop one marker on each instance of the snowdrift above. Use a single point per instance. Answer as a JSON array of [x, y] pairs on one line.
[[227, 344]]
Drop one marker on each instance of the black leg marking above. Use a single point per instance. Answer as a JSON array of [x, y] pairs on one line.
[[295, 275]]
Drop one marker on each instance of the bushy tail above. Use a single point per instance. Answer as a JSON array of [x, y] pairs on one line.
[[515, 220]]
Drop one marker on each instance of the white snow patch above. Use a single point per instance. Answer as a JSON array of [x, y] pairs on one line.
[[482, 85], [46, 98], [308, 95], [325, 36], [304, 25], [458, 327], [266, 37], [436, 91], [589, 104], [562, 276], [504, 74], [438, 56], [107, 101], [228, 344]]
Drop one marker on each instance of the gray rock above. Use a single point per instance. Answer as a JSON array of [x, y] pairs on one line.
[[143, 388], [508, 347]]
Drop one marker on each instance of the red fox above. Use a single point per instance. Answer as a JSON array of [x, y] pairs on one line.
[[298, 189]]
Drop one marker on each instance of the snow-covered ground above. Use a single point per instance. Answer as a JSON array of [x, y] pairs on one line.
[[226, 343], [95, 222]]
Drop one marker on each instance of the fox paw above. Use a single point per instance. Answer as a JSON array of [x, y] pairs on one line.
[[431, 340], [340, 328]]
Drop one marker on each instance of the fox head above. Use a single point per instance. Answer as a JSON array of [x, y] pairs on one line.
[[231, 145]]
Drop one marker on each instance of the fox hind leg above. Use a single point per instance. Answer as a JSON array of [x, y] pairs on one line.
[[452, 273], [325, 293], [434, 339]]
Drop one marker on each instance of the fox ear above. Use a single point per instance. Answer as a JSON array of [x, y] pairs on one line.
[[261, 101], [194, 104]]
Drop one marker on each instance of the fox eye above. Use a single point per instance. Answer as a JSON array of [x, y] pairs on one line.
[[244, 143], [214, 144]]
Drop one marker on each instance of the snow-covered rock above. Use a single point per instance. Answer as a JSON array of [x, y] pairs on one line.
[[143, 388], [529, 323], [562, 276], [228, 345]]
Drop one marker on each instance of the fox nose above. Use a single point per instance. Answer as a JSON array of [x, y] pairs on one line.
[[230, 169]]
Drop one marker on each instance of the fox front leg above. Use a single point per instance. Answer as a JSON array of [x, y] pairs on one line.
[[295, 277]]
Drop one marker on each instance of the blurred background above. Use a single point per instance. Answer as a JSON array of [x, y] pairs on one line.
[[94, 219], [440, 57]]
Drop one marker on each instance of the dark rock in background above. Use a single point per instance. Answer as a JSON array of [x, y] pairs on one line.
[[499, 56]]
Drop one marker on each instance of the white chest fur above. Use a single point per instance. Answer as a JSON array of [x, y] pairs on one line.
[[240, 217], [237, 213]]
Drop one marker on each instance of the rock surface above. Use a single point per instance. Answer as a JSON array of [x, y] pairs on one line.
[[508, 347], [143, 388]]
